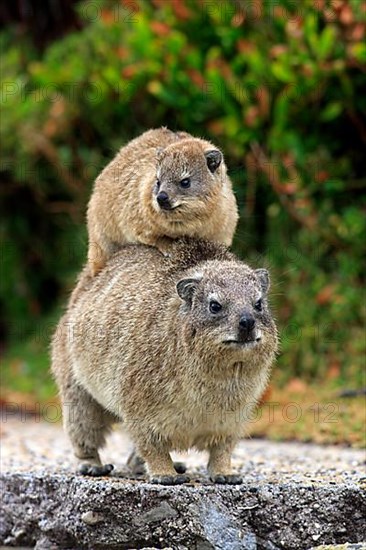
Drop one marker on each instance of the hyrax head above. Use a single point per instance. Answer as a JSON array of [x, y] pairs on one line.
[[225, 303], [188, 176]]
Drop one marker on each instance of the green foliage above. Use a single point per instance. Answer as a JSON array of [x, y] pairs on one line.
[[278, 86]]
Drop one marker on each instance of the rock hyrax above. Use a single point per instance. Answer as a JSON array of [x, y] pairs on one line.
[[179, 351], [160, 186]]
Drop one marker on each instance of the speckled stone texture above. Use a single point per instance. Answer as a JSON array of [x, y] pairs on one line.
[[295, 496]]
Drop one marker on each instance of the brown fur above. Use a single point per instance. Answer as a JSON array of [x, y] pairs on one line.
[[123, 207], [139, 343]]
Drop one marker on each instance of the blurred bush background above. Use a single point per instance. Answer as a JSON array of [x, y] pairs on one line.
[[279, 85]]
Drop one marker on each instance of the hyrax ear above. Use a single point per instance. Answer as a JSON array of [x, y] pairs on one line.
[[213, 159], [263, 277], [187, 287]]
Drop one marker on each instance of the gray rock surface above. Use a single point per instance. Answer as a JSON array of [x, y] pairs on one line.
[[347, 546], [295, 496]]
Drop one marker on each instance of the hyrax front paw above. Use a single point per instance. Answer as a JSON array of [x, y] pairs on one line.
[[169, 479], [95, 471], [229, 479]]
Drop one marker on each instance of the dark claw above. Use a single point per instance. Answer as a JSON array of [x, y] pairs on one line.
[[180, 467], [170, 480], [96, 471], [84, 469], [183, 478], [231, 479], [218, 479]]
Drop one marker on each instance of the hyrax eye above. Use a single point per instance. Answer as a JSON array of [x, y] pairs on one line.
[[157, 184], [185, 183], [258, 305], [215, 307]]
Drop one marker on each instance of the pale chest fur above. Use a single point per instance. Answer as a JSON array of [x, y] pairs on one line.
[[204, 410]]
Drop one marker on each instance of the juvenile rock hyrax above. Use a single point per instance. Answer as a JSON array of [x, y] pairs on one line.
[[180, 352], [160, 186]]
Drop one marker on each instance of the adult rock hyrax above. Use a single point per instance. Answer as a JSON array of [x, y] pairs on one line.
[[160, 186], [179, 348]]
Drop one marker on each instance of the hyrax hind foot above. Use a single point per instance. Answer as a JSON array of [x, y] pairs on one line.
[[137, 465], [93, 470], [219, 464], [230, 479], [160, 466], [170, 479]]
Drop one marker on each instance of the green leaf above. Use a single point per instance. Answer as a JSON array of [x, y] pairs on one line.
[[359, 51], [326, 42], [332, 111], [282, 72]]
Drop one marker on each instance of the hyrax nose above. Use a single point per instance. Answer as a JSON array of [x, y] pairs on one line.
[[247, 323], [163, 199]]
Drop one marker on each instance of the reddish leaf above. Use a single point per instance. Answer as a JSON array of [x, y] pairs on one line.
[[334, 370], [278, 50], [251, 116], [159, 28], [325, 295], [321, 176], [244, 46], [129, 71], [216, 127], [180, 9], [346, 15], [295, 385], [108, 17], [287, 188], [196, 78]]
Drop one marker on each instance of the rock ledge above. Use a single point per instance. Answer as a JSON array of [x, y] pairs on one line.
[[294, 497]]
